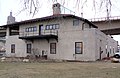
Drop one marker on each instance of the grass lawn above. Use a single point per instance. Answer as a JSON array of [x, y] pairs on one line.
[[60, 70]]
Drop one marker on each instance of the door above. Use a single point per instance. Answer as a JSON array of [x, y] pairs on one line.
[[100, 53], [108, 54], [100, 50], [40, 29]]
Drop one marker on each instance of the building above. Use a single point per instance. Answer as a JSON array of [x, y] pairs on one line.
[[59, 36]]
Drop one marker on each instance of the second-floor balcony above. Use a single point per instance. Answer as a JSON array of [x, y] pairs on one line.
[[44, 34]]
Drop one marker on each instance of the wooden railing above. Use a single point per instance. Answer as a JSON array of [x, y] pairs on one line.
[[37, 33]]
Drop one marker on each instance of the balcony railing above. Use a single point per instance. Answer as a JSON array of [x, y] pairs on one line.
[[37, 33]]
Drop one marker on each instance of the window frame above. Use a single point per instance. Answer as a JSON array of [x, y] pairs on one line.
[[52, 49], [34, 29], [80, 48], [57, 26], [31, 29], [106, 48], [52, 27], [113, 50], [28, 49], [12, 48]]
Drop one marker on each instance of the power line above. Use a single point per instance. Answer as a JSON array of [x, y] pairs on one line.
[[66, 9]]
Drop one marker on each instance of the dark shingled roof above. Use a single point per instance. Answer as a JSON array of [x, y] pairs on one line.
[[49, 18]]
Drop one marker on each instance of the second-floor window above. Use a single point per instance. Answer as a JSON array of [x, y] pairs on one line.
[[31, 29], [52, 27], [76, 22]]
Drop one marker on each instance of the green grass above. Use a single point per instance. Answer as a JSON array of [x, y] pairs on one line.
[[60, 70]]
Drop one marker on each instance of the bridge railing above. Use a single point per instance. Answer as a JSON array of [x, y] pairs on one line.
[[104, 18]]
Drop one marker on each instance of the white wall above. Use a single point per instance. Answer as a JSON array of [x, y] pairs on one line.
[[68, 34], [105, 42], [2, 45], [20, 46]]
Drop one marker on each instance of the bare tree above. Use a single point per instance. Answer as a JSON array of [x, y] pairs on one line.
[[33, 6]]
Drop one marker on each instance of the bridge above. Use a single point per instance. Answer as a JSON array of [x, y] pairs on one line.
[[110, 26]]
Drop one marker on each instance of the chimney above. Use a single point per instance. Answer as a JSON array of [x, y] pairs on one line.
[[10, 19], [56, 9]]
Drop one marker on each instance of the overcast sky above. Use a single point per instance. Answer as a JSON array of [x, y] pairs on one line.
[[45, 9]]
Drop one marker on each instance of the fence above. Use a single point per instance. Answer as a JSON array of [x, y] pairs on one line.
[[104, 18]]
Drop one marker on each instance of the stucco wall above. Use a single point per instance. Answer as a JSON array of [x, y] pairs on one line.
[[2, 45], [68, 34], [20, 47], [105, 42]]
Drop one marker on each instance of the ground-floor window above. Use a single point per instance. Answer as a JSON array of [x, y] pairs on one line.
[[12, 48], [29, 48], [52, 48], [106, 49], [78, 48], [113, 49]]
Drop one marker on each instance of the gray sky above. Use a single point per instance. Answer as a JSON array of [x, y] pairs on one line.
[[45, 9]]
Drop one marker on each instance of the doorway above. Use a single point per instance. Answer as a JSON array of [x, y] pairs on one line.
[[40, 29], [108, 54], [100, 53]]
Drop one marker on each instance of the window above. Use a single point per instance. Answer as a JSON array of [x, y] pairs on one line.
[[52, 27], [106, 49], [76, 22], [47, 27], [12, 48], [27, 30], [31, 29], [52, 48], [34, 29], [113, 49], [110, 49], [57, 26], [29, 46], [78, 47]]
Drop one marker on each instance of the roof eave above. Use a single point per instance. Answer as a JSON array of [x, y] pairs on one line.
[[48, 18]]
